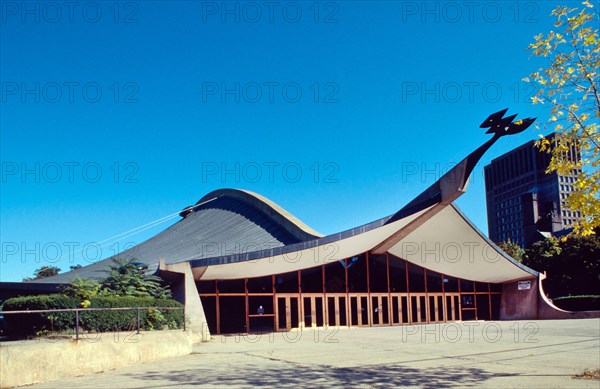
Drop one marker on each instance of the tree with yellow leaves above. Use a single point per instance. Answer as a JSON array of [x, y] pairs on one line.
[[570, 87]]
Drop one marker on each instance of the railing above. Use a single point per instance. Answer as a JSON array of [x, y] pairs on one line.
[[78, 311]]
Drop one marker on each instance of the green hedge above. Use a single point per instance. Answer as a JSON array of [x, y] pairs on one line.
[[27, 325], [578, 303], [125, 320]]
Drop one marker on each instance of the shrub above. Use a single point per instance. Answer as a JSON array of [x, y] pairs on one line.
[[578, 303], [127, 319], [27, 325], [81, 288]]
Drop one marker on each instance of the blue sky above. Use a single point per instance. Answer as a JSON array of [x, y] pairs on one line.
[[115, 114]]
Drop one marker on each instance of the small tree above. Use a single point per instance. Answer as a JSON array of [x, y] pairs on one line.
[[82, 288], [572, 265], [129, 278], [512, 249], [541, 253], [570, 86], [43, 272]]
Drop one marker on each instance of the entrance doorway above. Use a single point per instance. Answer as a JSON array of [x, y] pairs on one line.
[[337, 310], [380, 309], [313, 310], [288, 313]]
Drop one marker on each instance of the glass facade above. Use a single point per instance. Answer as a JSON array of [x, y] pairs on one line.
[[365, 290]]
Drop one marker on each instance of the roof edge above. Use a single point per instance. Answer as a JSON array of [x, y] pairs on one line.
[[491, 243], [284, 218]]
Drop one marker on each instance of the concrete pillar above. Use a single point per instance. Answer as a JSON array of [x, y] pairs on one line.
[[185, 291]]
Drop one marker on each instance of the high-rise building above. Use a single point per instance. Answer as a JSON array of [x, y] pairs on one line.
[[524, 204]]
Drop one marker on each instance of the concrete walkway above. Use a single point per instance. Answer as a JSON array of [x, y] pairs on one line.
[[522, 354]]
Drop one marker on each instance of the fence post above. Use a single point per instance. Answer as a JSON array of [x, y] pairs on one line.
[[76, 324], [138, 320]]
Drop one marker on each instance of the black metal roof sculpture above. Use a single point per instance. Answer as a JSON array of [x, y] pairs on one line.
[[454, 183]]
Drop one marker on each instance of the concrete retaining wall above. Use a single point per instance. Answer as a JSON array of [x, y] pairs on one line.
[[28, 362], [548, 311]]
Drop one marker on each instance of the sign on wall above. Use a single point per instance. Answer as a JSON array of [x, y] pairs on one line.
[[524, 285]]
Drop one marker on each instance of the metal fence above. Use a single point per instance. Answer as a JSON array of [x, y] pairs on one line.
[[78, 312]]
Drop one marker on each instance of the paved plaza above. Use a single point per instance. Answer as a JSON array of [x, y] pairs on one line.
[[522, 354]]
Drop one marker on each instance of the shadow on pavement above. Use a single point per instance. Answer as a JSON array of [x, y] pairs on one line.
[[314, 377]]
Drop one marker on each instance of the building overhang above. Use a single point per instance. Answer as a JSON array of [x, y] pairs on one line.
[[447, 243]]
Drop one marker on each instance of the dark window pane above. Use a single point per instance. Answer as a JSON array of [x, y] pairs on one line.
[[375, 310], [416, 280], [415, 312], [261, 324], [405, 302], [331, 311], [466, 286], [308, 319], [434, 281], [395, 310], [231, 286], [481, 287], [281, 313], [483, 307], [377, 273], [232, 314], [397, 274], [364, 310], [319, 312], [260, 285], [354, 311], [209, 304], [423, 309], [496, 287], [468, 314], [256, 302], [312, 280], [450, 284], [357, 274], [335, 276], [206, 286], [343, 318], [468, 301], [287, 282]]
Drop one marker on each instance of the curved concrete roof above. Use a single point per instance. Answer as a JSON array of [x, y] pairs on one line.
[[232, 234], [235, 234], [278, 214], [226, 221]]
